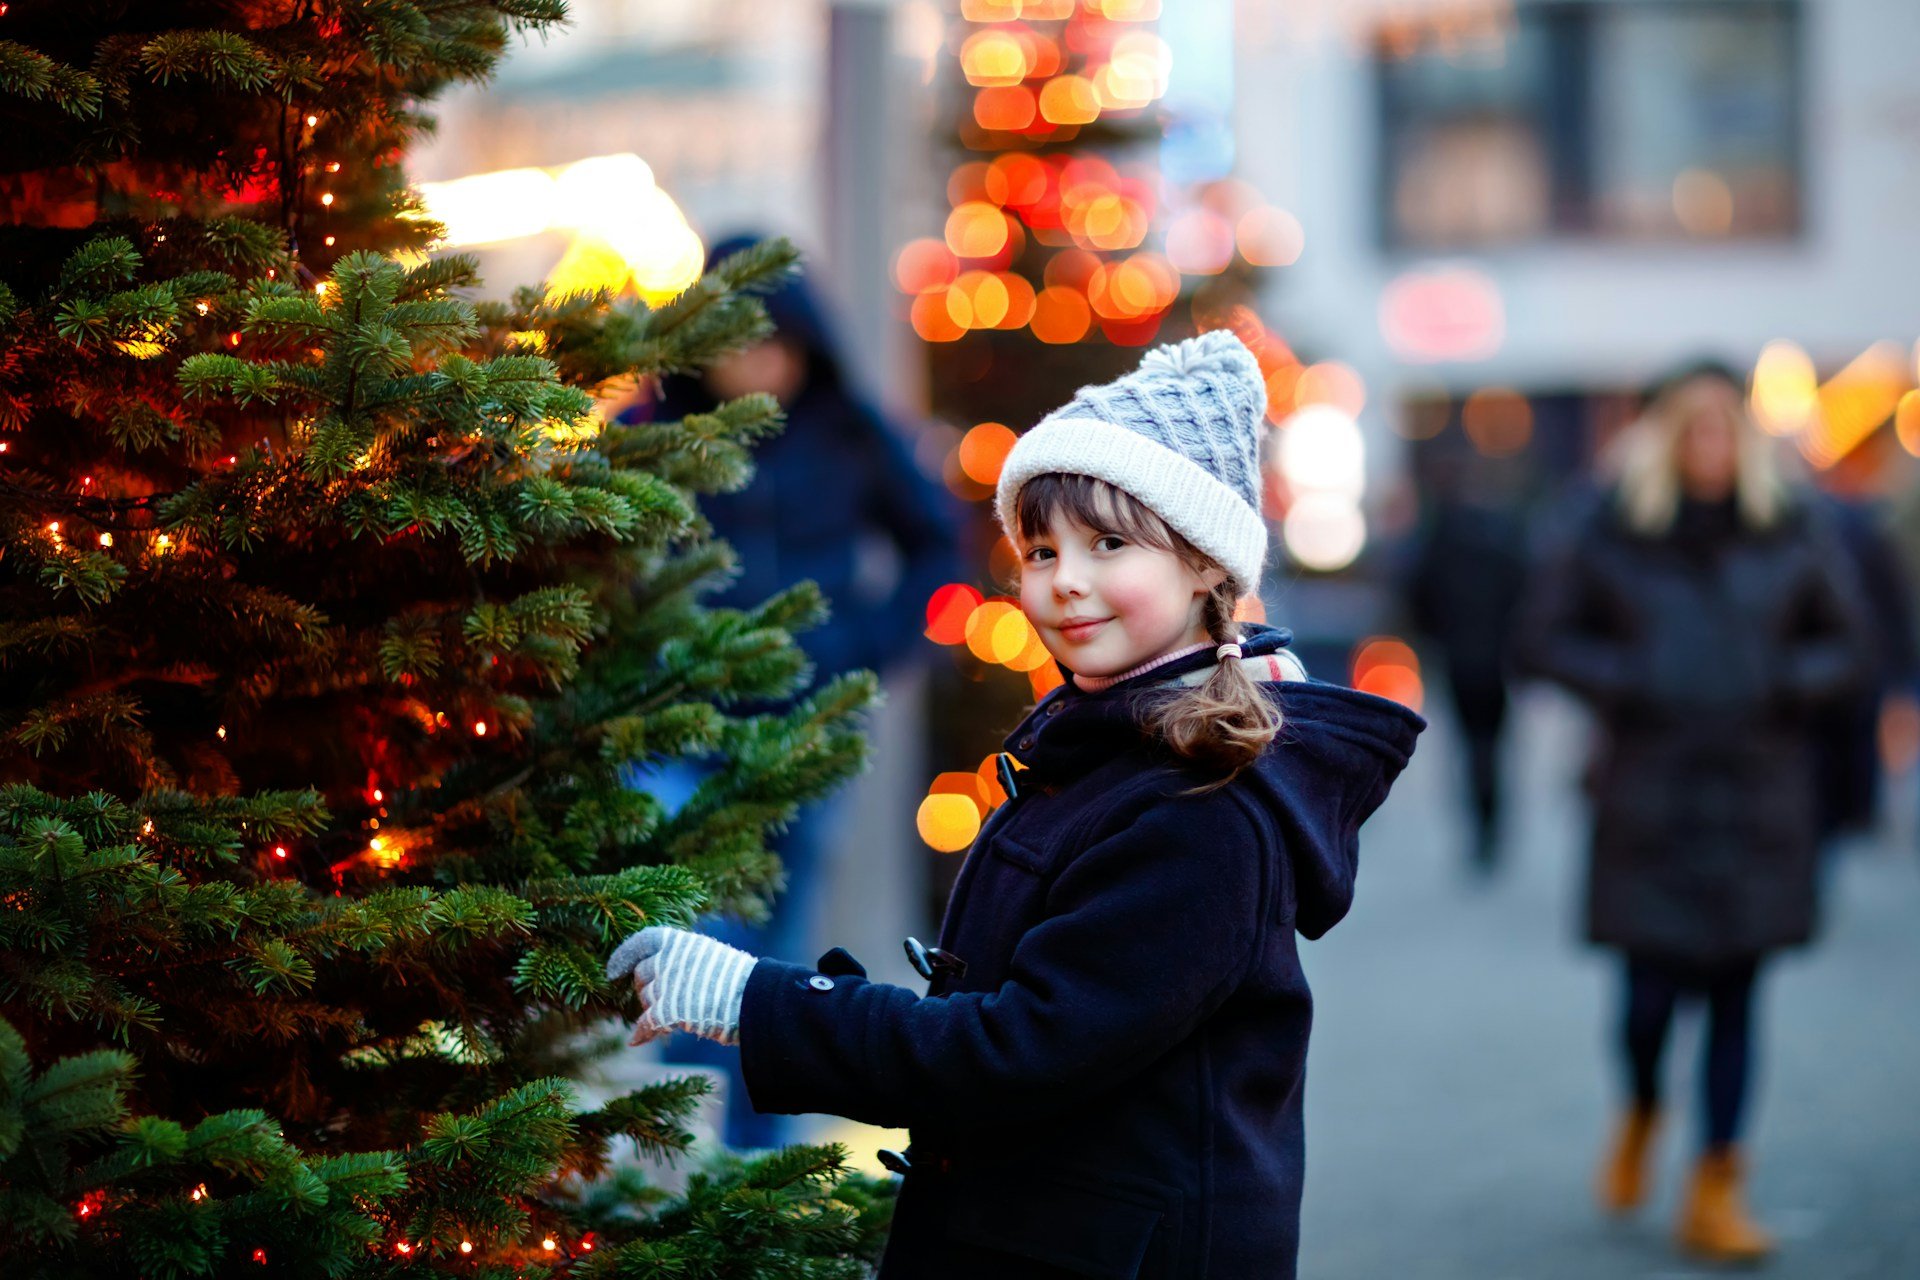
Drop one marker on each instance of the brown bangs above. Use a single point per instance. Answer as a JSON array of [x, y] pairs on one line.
[[1096, 505]]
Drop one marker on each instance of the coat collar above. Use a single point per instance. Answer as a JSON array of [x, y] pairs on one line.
[[1071, 732]]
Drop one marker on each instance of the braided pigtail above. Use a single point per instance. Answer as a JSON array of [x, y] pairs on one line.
[[1225, 722]]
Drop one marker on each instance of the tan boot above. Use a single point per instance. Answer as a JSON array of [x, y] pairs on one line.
[[1622, 1184], [1714, 1223]]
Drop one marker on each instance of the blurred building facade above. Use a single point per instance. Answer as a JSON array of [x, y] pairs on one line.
[[1555, 201]]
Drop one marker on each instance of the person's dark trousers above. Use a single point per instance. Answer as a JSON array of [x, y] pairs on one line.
[[1480, 701], [1654, 987]]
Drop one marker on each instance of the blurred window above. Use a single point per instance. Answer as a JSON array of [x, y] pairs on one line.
[[1631, 118]]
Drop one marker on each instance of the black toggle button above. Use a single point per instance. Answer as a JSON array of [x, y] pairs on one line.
[[1007, 784], [928, 961]]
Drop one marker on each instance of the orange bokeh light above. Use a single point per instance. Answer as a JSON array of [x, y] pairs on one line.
[[1072, 268], [931, 319], [1388, 668], [1005, 110], [924, 264], [967, 182], [977, 229], [1060, 315], [1069, 100], [1017, 179], [993, 59], [978, 300], [984, 450], [1334, 383], [948, 611]]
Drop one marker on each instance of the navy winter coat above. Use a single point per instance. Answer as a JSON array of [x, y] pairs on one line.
[[1707, 653], [1113, 1087]]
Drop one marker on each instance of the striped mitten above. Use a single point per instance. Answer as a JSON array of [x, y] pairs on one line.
[[686, 981]]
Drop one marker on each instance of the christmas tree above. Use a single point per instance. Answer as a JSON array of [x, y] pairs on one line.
[[330, 617]]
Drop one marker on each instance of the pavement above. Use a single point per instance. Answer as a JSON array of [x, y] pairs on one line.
[[1462, 1078]]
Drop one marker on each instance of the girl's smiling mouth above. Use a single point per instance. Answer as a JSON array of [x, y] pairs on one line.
[[1084, 629]]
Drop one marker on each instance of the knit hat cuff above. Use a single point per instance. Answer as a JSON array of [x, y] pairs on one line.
[[1192, 500]]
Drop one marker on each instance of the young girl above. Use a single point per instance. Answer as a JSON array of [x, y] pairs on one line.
[[1104, 1078]]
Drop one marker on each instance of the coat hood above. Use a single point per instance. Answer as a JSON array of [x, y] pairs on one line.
[[1337, 754]]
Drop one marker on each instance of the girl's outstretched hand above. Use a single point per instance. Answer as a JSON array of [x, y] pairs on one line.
[[686, 982]]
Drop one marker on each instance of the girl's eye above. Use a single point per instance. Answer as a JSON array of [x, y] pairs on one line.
[[1037, 552], [1113, 538]]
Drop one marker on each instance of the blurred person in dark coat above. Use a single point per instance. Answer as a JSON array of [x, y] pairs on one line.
[[1708, 616], [835, 497], [1463, 589]]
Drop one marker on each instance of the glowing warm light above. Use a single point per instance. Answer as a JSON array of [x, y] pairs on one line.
[[163, 543], [221, 733], [466, 1246], [1388, 668], [969, 786], [1270, 237], [1020, 300], [947, 823], [1786, 390], [977, 229], [1443, 313], [1703, 203], [1331, 383], [922, 265], [321, 289], [479, 728], [312, 121], [106, 539], [1005, 110], [984, 450], [990, 10], [979, 300], [403, 1248], [1855, 401], [1200, 243], [932, 321], [1283, 390], [1498, 420], [199, 1192], [329, 242], [327, 199], [1124, 10], [993, 59], [1060, 315], [549, 1244], [1069, 100], [1324, 531], [489, 207], [1016, 179], [995, 631], [635, 235], [989, 774], [1321, 451], [279, 851], [1906, 422]]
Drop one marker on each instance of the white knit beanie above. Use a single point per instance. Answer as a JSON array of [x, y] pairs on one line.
[[1181, 433]]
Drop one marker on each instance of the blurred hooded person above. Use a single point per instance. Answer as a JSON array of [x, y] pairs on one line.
[[835, 497], [1708, 616]]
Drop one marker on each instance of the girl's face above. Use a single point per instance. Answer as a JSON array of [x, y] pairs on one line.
[[1104, 603]]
